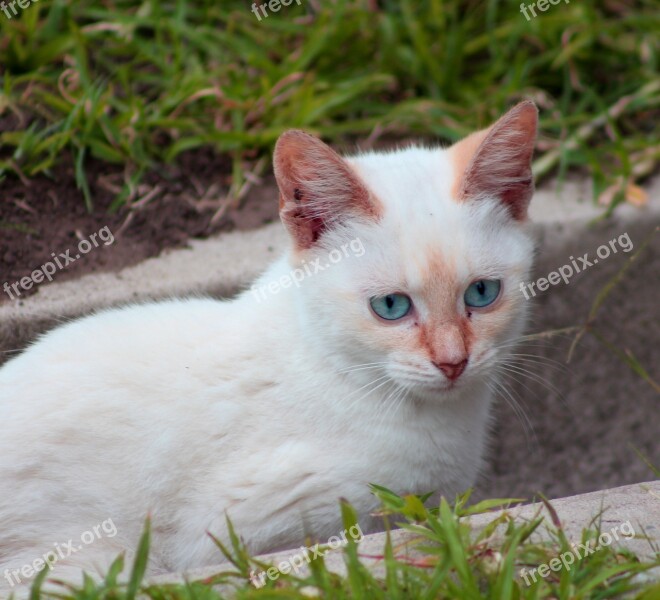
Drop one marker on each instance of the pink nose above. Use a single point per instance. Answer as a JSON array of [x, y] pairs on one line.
[[452, 371]]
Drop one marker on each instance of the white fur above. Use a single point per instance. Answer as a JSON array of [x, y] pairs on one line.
[[190, 409]]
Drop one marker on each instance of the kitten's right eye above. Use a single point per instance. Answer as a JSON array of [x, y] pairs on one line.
[[392, 306]]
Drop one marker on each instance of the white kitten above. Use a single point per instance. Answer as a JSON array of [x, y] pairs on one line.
[[269, 407]]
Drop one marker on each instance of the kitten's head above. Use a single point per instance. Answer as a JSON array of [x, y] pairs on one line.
[[432, 247]]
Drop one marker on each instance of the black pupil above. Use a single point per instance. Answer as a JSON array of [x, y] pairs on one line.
[[481, 287], [389, 300]]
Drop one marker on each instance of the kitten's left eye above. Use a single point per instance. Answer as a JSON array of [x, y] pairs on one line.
[[482, 293], [391, 307]]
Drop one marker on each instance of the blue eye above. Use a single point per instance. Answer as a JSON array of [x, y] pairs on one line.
[[392, 306], [482, 293]]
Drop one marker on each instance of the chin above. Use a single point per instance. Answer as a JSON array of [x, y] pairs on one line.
[[441, 391]]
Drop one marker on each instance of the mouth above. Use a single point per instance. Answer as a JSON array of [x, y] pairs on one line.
[[431, 383]]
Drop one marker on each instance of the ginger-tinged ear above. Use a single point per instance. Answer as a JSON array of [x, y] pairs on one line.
[[497, 161], [317, 187]]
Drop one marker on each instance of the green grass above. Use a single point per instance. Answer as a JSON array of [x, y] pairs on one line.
[[135, 84], [447, 559]]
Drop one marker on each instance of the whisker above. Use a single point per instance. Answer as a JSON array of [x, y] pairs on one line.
[[397, 400], [522, 344], [368, 384], [385, 404], [520, 382], [362, 366], [515, 405], [546, 384], [530, 375], [533, 360], [539, 357], [381, 384], [354, 369], [12, 351]]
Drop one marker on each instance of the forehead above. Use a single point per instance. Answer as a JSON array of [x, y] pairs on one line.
[[409, 180], [427, 242], [414, 186], [457, 245]]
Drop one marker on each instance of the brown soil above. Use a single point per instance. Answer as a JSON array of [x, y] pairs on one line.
[[47, 216]]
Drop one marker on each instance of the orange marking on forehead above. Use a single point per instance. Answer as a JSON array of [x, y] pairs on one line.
[[438, 274]]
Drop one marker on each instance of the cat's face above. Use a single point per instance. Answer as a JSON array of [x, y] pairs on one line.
[[433, 297]]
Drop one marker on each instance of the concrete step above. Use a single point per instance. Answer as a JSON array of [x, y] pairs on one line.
[[629, 517]]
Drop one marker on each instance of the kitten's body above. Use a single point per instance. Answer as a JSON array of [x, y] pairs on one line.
[[260, 408]]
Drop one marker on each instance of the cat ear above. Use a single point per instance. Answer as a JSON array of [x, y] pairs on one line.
[[497, 161], [317, 187]]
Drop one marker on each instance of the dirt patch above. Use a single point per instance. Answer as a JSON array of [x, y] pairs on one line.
[[45, 218]]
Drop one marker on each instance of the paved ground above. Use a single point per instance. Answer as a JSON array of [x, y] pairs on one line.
[[584, 433]]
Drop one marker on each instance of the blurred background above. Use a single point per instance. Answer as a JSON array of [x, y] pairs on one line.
[[157, 119]]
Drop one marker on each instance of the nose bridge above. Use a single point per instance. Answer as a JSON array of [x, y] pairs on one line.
[[446, 334], [449, 343]]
